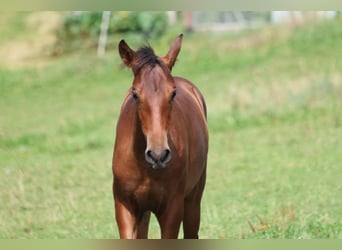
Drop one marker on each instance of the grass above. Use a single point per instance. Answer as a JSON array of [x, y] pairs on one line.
[[274, 115]]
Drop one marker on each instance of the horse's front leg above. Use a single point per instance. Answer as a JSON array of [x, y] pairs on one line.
[[171, 217], [192, 210], [143, 225], [126, 220]]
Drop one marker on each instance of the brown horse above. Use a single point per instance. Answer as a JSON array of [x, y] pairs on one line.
[[160, 152]]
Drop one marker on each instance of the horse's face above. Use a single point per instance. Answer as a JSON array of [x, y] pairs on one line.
[[153, 91]]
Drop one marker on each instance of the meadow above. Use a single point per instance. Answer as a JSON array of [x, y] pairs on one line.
[[274, 98]]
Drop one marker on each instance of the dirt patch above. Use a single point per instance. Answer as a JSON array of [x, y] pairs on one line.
[[32, 51]]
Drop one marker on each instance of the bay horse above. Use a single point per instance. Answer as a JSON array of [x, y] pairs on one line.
[[161, 145]]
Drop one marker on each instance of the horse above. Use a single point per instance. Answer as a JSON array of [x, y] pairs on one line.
[[161, 146]]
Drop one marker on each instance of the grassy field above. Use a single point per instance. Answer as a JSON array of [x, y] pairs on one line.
[[274, 100]]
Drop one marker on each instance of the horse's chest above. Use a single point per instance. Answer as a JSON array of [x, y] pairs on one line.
[[144, 191]]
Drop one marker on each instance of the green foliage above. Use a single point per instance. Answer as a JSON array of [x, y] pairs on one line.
[[82, 29], [150, 24], [81, 25]]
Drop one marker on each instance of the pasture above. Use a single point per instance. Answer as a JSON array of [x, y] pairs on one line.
[[274, 98]]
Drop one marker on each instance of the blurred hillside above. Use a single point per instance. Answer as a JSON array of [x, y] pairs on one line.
[[32, 37], [26, 37]]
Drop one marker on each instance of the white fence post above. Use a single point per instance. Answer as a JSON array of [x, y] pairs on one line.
[[103, 33]]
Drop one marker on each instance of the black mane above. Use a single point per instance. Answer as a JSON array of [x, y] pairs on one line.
[[146, 56]]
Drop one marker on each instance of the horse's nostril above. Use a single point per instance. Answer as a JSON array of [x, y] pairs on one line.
[[165, 155], [158, 159], [150, 156]]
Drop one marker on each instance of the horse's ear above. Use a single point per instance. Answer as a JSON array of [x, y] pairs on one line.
[[170, 58], [127, 54]]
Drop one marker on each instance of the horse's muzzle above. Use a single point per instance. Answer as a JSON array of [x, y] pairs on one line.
[[158, 160]]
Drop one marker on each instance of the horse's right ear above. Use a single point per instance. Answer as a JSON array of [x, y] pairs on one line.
[[126, 53]]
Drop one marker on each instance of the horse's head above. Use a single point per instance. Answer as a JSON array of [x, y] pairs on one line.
[[153, 91]]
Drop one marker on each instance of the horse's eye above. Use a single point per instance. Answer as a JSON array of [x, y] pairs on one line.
[[135, 95], [173, 94]]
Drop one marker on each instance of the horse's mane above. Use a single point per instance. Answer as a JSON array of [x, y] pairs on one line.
[[146, 56]]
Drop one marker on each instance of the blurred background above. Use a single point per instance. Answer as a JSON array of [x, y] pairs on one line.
[[273, 85]]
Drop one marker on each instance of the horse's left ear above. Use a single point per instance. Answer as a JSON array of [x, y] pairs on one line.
[[170, 58]]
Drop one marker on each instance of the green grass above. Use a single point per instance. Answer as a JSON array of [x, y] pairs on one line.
[[16, 29], [274, 115]]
